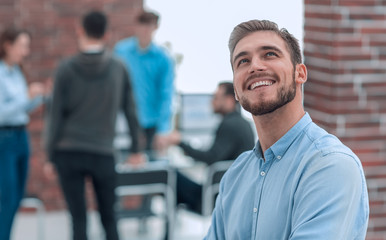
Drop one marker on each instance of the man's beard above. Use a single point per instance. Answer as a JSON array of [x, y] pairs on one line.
[[284, 96]]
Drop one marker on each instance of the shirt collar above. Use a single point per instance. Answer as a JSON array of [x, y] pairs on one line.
[[279, 148], [233, 113], [8, 68], [141, 51], [95, 48]]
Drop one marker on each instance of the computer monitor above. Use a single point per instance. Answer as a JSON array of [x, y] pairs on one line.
[[196, 120]]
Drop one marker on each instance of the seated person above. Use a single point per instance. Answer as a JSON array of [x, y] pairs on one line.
[[233, 136]]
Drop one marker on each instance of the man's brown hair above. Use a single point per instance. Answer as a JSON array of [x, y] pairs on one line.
[[246, 28], [147, 18]]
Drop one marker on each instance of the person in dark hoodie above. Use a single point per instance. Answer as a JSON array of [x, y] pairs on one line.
[[89, 89]]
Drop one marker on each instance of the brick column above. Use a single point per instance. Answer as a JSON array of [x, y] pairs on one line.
[[345, 52], [52, 25]]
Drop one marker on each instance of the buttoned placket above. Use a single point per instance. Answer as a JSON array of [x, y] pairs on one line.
[[260, 184]]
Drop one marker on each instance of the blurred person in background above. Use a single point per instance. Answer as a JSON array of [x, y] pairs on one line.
[[233, 136], [151, 71], [16, 101], [89, 90]]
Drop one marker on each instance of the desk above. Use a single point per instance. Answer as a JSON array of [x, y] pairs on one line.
[[195, 170]]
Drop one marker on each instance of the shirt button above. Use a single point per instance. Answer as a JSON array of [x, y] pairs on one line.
[[278, 157], [262, 173], [255, 210]]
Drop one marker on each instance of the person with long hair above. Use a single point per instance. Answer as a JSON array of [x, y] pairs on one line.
[[16, 101]]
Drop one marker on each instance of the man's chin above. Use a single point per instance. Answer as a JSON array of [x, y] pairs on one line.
[[260, 109]]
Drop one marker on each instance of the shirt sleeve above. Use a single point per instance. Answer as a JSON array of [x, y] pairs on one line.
[[331, 200], [18, 104], [221, 148], [55, 112], [130, 113], [34, 103], [166, 87], [119, 51]]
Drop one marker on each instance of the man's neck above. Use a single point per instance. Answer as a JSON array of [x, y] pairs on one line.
[[144, 44], [272, 126], [228, 112], [91, 45], [9, 63]]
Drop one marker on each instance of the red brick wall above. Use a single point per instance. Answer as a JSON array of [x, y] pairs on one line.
[[345, 52], [52, 25]]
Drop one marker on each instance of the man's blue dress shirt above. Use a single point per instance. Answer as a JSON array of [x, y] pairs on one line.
[[152, 74], [310, 186], [14, 101]]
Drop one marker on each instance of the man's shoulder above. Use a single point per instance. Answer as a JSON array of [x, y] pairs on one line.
[[236, 123], [125, 44], [66, 63], [324, 142], [321, 149], [235, 117], [161, 52], [3, 67], [116, 61]]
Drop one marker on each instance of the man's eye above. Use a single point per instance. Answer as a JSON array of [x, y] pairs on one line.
[[243, 61], [270, 54]]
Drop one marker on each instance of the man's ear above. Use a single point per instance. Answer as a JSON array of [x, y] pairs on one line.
[[236, 97], [301, 73]]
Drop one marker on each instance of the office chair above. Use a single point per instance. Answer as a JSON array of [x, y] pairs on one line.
[[155, 178]]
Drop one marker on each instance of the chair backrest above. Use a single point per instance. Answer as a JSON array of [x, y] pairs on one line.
[[152, 174], [211, 186], [154, 177], [145, 176]]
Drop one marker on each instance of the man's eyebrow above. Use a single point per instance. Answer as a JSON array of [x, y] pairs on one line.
[[240, 54], [265, 48], [272, 48]]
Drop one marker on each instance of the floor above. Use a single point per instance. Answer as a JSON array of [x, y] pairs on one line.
[[56, 226]]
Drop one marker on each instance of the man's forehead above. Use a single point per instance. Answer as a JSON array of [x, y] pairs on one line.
[[259, 39], [220, 90]]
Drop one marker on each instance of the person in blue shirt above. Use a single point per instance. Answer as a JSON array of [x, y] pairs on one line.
[[151, 71], [299, 182], [16, 101]]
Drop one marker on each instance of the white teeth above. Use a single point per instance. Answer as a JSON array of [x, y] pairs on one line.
[[260, 83]]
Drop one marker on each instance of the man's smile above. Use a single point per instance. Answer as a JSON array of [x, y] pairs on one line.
[[260, 83]]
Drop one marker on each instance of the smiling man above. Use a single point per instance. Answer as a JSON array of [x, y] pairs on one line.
[[299, 182]]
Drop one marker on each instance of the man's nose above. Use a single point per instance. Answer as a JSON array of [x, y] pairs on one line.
[[257, 65]]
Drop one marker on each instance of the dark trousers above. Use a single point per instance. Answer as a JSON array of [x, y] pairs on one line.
[[149, 138], [149, 134], [73, 167], [189, 193], [14, 154]]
